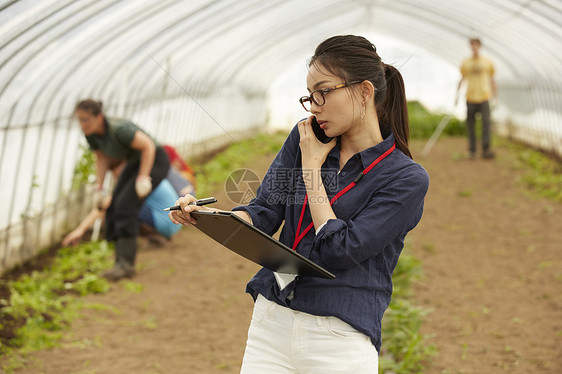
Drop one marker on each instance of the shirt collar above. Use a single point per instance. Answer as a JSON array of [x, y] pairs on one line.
[[371, 154], [368, 155]]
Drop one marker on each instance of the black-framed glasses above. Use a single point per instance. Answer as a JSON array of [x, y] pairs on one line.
[[318, 97]]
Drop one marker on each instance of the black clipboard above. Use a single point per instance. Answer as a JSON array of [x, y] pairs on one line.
[[250, 242]]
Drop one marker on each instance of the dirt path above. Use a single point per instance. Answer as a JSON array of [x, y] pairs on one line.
[[492, 260], [493, 278]]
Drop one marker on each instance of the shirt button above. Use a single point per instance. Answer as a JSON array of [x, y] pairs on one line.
[[343, 173]]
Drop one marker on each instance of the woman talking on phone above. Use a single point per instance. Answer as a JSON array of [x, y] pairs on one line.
[[348, 206]]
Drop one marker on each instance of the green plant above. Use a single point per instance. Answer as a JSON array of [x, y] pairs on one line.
[[405, 350], [543, 174], [212, 175], [133, 287], [43, 302], [84, 168], [423, 123]]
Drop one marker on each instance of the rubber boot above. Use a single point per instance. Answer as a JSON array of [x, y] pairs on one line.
[[125, 253], [109, 274], [127, 249]]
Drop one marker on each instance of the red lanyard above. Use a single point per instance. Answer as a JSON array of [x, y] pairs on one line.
[[298, 237]]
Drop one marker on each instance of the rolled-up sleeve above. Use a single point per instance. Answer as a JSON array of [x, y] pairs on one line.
[[389, 214]]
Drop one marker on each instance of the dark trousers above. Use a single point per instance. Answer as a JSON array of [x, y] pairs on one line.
[[484, 110], [122, 215]]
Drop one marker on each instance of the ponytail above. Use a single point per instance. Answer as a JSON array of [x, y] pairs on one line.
[[393, 111], [354, 58]]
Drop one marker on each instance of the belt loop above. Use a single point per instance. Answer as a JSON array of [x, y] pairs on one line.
[[269, 312], [319, 321]]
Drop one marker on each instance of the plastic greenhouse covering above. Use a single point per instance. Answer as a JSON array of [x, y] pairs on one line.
[[198, 74]]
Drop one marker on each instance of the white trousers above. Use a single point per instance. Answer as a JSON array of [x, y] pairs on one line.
[[281, 340]]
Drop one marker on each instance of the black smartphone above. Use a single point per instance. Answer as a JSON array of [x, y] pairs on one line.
[[320, 134]]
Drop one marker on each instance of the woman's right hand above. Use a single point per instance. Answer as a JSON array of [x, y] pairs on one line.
[[183, 216]]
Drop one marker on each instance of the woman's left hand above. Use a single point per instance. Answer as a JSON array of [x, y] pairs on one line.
[[313, 151]]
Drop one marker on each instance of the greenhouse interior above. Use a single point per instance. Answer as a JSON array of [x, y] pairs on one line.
[[201, 75]]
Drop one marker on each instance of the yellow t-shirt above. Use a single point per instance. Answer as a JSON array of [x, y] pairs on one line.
[[478, 73]]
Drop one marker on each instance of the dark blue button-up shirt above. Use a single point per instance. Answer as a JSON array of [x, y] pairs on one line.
[[361, 247]]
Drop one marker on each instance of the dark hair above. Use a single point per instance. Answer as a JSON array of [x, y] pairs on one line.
[[354, 58], [90, 106], [475, 40]]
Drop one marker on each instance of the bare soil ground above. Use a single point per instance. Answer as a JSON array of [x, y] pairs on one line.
[[492, 258], [492, 280]]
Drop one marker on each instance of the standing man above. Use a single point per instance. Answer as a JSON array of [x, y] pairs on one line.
[[478, 71]]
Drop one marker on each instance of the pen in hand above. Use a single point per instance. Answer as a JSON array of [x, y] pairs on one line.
[[208, 200]]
